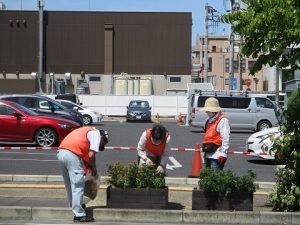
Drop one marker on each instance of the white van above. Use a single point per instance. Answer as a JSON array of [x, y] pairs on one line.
[[244, 113]]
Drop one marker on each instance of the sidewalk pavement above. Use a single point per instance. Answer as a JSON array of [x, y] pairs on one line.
[[43, 197]]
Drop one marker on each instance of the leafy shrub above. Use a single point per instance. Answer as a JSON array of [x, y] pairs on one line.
[[134, 176], [286, 193], [226, 182]]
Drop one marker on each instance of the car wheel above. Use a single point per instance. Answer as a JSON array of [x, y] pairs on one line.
[[45, 137], [87, 120], [262, 125]]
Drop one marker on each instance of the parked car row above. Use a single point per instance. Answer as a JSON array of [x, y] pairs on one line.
[[44, 105], [21, 124], [40, 119], [29, 118]]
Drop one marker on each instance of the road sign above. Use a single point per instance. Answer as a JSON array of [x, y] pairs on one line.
[[234, 84]]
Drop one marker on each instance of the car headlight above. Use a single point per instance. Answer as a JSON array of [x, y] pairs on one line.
[[96, 113], [65, 126], [131, 113]]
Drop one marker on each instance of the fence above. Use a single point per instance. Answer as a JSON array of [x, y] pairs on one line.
[[115, 105]]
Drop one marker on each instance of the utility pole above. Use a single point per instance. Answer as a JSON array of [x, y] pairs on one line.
[[277, 84], [241, 67], [234, 6], [206, 44], [41, 4], [211, 20]]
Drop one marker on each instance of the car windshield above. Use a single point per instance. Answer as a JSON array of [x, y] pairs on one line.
[[139, 105], [24, 109]]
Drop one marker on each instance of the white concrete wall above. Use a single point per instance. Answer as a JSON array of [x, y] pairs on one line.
[[112, 105]]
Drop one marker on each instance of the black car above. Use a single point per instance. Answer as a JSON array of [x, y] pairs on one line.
[[138, 110], [44, 105], [69, 97]]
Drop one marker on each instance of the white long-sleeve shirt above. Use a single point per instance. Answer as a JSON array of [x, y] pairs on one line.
[[223, 128], [143, 153]]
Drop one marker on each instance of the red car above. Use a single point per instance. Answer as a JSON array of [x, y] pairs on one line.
[[20, 124]]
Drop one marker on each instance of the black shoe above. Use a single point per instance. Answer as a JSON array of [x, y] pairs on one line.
[[83, 206], [83, 219]]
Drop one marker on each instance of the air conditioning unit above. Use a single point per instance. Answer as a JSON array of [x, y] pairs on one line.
[[33, 75], [68, 76]]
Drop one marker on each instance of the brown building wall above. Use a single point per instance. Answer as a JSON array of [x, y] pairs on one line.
[[143, 43], [18, 41], [20, 86]]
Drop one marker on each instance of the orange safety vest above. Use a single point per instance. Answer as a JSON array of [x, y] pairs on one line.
[[211, 135], [77, 142], [155, 149]]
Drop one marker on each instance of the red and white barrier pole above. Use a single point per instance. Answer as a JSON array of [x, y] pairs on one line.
[[181, 149]]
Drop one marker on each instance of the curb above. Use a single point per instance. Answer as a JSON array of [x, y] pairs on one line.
[[182, 216], [153, 216]]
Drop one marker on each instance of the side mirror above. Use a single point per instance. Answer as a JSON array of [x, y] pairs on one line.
[[127, 107], [150, 107], [17, 114]]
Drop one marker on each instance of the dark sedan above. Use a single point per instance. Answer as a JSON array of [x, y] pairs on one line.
[[20, 124], [138, 110]]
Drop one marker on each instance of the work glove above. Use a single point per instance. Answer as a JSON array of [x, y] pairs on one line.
[[148, 162], [160, 169], [222, 160]]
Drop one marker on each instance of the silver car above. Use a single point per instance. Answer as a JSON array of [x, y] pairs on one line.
[[138, 110], [243, 112]]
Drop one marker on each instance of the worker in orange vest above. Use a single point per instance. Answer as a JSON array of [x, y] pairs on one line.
[[216, 139], [154, 148], [77, 156]]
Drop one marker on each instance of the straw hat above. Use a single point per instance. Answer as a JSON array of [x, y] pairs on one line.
[[211, 105]]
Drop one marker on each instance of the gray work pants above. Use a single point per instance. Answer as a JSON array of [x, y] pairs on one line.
[[73, 175]]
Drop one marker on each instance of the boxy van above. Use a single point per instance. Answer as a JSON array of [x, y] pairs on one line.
[[244, 113]]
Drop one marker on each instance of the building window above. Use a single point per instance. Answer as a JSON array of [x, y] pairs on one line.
[[251, 64], [175, 79], [243, 65], [236, 66], [214, 48], [227, 65], [95, 78], [209, 69], [212, 80]]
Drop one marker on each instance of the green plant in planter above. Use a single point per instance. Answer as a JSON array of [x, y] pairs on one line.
[[133, 176], [226, 182]]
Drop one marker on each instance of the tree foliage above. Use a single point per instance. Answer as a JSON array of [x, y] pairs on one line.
[[271, 32]]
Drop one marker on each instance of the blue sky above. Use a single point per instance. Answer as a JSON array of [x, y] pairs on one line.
[[197, 7]]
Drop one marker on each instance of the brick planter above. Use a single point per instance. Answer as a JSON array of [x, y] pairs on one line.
[[137, 198], [237, 202]]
